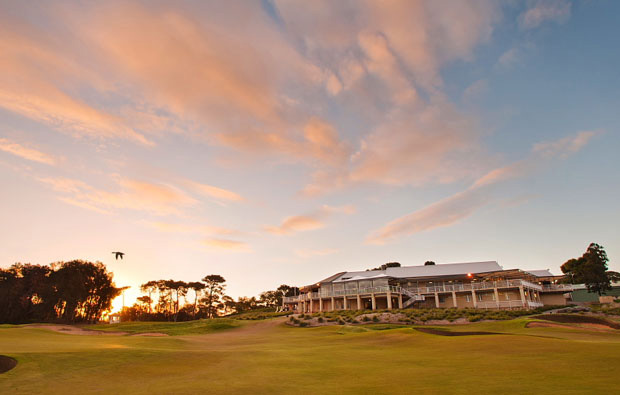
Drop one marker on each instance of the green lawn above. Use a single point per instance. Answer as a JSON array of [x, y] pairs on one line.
[[268, 357]]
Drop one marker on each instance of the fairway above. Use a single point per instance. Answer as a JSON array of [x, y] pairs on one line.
[[271, 357]]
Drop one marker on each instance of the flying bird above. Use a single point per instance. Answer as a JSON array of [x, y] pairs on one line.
[[118, 254]]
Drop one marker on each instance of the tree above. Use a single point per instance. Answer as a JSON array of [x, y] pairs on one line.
[[75, 291], [214, 290], [429, 263], [197, 287], [385, 266], [590, 269]]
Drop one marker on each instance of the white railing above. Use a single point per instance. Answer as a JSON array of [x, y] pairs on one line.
[[409, 291], [557, 287]]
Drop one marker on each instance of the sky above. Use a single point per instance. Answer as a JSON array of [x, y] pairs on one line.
[[279, 142]]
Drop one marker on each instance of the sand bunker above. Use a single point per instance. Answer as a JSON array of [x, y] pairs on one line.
[[590, 327], [583, 320], [6, 363], [441, 332]]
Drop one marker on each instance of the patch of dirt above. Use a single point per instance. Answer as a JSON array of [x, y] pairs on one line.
[[75, 330], [578, 319], [6, 363], [441, 332]]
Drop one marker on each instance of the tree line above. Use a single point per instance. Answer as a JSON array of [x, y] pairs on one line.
[[591, 269], [75, 291], [172, 300]]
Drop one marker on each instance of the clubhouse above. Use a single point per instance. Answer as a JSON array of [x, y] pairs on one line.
[[476, 284]]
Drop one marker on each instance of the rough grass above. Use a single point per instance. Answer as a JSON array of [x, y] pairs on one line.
[[268, 357], [169, 328]]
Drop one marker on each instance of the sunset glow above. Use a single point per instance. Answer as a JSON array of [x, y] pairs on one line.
[[274, 141]]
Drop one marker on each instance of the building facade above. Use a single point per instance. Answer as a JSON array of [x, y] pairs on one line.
[[476, 284]]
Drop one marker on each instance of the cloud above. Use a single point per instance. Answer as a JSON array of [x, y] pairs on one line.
[[545, 10], [308, 253], [229, 245], [213, 192], [461, 205], [192, 228], [312, 221], [155, 198], [26, 153]]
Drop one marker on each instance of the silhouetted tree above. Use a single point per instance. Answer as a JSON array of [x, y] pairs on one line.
[[197, 287], [75, 291], [429, 263], [214, 290], [590, 269]]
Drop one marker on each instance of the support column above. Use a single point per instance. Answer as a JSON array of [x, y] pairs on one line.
[[522, 296], [436, 300], [344, 298], [473, 298], [454, 303], [496, 296], [374, 301], [359, 302], [333, 306], [321, 304], [311, 305], [389, 299], [400, 301]]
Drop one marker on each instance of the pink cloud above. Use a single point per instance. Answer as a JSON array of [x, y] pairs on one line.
[[26, 153], [312, 221], [545, 10], [461, 205]]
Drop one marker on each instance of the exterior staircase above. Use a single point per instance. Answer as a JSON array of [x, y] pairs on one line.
[[413, 297]]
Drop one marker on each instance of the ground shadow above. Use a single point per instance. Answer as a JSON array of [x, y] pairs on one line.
[[442, 332], [6, 363], [577, 319]]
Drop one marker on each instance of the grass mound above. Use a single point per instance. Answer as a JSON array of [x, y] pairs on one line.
[[6, 363], [170, 328], [577, 319]]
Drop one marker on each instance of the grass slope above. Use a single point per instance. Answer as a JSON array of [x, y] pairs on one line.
[[170, 328], [267, 357]]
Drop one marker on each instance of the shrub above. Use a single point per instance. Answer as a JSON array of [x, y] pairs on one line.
[[307, 317], [340, 322], [366, 318], [303, 324], [375, 318], [474, 318], [321, 319]]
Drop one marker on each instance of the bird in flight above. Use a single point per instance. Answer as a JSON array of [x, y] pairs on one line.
[[118, 254]]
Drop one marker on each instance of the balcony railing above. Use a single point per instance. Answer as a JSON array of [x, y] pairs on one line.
[[327, 293]]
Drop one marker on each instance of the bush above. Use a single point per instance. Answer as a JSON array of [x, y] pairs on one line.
[[366, 318], [340, 322], [474, 318], [307, 317], [320, 320], [375, 318], [303, 324]]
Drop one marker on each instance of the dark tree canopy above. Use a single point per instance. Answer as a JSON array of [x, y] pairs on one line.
[[590, 269], [385, 266], [429, 263], [75, 291]]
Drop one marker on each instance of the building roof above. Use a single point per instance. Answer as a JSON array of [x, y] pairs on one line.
[[541, 273], [446, 269]]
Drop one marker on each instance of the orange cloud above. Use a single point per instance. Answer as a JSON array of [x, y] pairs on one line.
[[158, 199], [454, 209], [211, 191], [315, 220], [225, 244], [26, 153]]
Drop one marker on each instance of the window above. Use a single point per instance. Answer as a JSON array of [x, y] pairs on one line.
[[507, 296], [442, 298], [468, 298], [479, 297]]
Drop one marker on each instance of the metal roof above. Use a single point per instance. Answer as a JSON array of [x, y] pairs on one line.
[[446, 269], [541, 273]]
